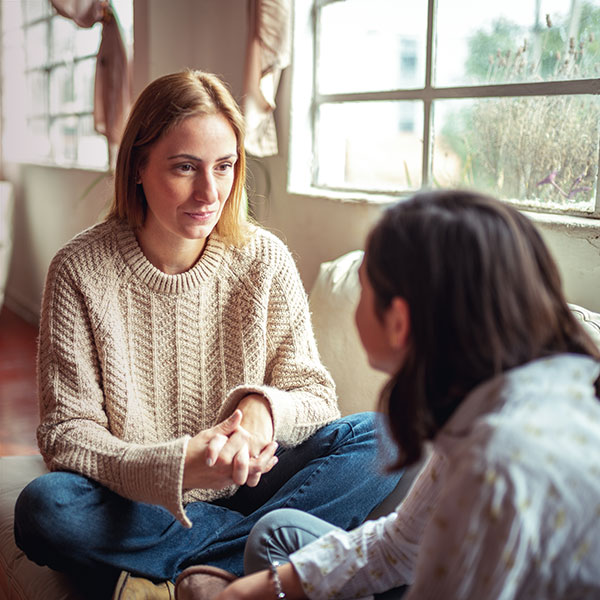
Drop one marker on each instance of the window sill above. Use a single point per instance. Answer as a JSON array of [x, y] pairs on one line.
[[572, 224], [585, 225]]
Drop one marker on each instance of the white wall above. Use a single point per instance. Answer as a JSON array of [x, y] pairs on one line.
[[211, 34]]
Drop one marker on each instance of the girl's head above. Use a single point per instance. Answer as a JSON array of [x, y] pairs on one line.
[[162, 105], [464, 288]]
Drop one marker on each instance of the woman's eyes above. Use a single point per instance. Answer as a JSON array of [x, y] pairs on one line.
[[189, 167]]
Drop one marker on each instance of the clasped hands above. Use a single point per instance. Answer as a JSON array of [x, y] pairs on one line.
[[237, 451]]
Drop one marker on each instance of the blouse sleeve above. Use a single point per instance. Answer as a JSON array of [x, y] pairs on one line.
[[74, 434], [298, 387], [378, 555]]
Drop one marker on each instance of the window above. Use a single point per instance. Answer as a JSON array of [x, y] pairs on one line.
[[390, 96], [48, 72]]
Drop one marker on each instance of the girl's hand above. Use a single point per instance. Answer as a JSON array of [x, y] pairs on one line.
[[259, 586], [220, 456]]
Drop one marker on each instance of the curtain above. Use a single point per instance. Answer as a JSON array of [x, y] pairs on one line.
[[267, 54], [112, 86]]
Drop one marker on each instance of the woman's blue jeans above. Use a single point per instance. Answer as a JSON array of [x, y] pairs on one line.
[[73, 524]]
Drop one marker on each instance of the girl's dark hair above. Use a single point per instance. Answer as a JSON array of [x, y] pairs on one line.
[[484, 296]]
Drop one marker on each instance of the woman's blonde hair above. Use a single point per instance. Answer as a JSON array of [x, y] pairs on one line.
[[162, 105]]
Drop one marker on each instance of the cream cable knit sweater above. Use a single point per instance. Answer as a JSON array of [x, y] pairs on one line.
[[133, 362]]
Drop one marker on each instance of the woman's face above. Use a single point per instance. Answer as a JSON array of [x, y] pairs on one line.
[[187, 179], [379, 337]]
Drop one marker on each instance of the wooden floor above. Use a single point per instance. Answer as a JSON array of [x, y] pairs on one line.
[[18, 403]]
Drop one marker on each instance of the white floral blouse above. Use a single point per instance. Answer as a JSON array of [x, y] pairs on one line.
[[507, 507]]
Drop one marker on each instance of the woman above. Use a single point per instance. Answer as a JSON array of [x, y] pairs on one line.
[[461, 305], [176, 355]]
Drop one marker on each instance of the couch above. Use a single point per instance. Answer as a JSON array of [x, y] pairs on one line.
[[332, 302]]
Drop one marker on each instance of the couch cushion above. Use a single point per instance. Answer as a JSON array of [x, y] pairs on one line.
[[21, 579], [333, 300]]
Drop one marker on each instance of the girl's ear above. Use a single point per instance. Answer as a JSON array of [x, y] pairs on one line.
[[397, 323]]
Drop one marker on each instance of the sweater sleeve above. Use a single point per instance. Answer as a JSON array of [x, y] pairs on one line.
[[298, 387], [74, 432]]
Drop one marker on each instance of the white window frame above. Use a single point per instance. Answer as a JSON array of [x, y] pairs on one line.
[[304, 108]]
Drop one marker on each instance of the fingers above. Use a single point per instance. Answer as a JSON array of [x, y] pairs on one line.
[[231, 423], [241, 463], [262, 464], [214, 448]]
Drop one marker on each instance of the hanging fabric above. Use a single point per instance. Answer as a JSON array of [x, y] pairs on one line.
[[112, 86], [268, 53]]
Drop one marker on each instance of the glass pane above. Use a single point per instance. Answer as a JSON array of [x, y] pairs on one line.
[[62, 90], [371, 45], [63, 138], [36, 40], [516, 41], [92, 150], [86, 42], [37, 97], [34, 9], [542, 150], [63, 37], [83, 80], [374, 146]]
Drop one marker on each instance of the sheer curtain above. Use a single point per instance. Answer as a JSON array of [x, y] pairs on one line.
[[112, 87], [267, 54]]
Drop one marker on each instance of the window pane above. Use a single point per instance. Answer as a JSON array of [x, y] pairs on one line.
[[34, 9], [62, 91], [63, 37], [374, 146], [87, 41], [83, 80], [371, 45], [516, 41], [539, 150], [63, 137], [37, 97], [93, 150], [36, 40]]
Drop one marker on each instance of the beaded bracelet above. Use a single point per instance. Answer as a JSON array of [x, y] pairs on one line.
[[279, 593]]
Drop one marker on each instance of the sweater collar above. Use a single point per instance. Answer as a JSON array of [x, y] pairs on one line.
[[209, 262]]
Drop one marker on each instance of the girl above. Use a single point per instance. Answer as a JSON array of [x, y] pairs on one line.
[[462, 305]]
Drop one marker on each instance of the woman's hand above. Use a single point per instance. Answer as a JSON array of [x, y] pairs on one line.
[[257, 420], [259, 586], [220, 456]]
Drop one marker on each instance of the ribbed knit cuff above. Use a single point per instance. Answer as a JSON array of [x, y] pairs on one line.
[[154, 474]]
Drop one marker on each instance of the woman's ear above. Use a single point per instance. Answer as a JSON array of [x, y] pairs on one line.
[[397, 323]]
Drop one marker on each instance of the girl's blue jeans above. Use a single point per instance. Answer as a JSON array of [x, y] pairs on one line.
[[75, 525], [281, 532]]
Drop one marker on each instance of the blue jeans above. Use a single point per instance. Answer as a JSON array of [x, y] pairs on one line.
[[73, 524], [281, 533]]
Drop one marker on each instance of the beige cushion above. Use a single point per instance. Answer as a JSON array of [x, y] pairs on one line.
[[21, 579], [333, 301]]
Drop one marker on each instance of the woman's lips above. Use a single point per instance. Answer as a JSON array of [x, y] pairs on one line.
[[201, 216]]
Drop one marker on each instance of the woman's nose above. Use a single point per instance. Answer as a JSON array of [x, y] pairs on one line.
[[205, 188]]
